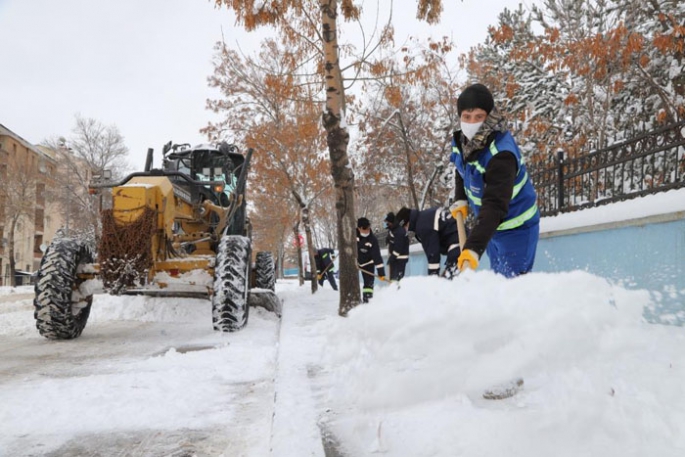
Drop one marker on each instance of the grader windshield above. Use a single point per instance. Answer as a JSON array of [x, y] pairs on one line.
[[208, 164]]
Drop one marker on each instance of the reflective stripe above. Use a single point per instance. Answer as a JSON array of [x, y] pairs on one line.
[[433, 266], [367, 290], [476, 201], [379, 265], [398, 256], [493, 148], [452, 246], [367, 263], [520, 219], [436, 220], [519, 186]]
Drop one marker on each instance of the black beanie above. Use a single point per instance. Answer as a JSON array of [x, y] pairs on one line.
[[390, 217], [475, 96], [363, 222]]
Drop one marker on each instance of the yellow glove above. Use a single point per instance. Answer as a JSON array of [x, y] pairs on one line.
[[460, 206], [382, 278], [467, 259], [318, 277]]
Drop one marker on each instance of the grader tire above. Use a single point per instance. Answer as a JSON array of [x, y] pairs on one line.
[[60, 309], [265, 271], [230, 309]]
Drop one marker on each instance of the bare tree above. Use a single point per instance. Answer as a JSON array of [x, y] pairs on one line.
[[92, 150], [19, 180]]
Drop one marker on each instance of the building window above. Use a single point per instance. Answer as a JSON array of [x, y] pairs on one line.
[[37, 243], [40, 194]]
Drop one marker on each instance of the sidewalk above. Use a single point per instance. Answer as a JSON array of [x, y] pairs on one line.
[[295, 430]]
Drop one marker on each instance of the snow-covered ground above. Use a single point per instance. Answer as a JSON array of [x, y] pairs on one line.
[[402, 376], [148, 377]]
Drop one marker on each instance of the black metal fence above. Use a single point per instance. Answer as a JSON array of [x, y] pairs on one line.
[[647, 164]]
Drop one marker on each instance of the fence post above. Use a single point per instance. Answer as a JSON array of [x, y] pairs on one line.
[[560, 179]]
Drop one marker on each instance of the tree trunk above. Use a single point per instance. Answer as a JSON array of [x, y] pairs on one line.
[[12, 261], [343, 178], [408, 165], [281, 259], [310, 246], [300, 264]]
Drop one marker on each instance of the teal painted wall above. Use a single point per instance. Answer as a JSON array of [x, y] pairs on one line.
[[648, 256], [644, 255]]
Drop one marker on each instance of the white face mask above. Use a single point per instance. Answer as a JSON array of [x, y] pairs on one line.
[[469, 130], [364, 234]]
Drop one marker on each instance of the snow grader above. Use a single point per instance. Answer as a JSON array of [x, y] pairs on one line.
[[179, 231]]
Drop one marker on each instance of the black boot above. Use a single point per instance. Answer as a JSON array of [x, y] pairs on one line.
[[366, 296]]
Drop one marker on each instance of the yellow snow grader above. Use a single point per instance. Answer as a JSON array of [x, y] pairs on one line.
[[179, 231]]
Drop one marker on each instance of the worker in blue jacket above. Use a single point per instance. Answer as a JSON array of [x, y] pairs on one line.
[[368, 257], [492, 181], [398, 248], [437, 231]]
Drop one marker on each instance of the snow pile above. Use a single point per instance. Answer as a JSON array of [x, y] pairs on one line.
[[150, 309], [668, 202], [408, 372]]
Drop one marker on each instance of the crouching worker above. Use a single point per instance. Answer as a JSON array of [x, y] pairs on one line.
[[324, 266], [368, 257], [437, 231]]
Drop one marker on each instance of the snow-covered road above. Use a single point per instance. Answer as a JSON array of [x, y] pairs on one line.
[[147, 377]]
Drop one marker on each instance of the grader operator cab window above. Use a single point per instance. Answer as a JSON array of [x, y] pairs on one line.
[[183, 167], [215, 167], [203, 163]]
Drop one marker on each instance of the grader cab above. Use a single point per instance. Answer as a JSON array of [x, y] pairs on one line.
[[179, 231]]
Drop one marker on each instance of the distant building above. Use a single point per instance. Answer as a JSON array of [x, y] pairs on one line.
[[36, 229]]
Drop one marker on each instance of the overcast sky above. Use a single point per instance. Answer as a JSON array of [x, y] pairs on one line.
[[142, 65]]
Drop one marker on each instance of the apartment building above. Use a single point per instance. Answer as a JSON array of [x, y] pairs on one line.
[[28, 171]]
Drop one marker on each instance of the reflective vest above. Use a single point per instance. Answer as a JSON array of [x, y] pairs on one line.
[[523, 209]]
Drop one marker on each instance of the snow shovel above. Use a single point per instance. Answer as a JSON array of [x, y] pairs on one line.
[[390, 281], [461, 232], [324, 271]]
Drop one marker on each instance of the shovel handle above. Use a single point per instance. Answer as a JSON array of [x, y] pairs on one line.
[[461, 231], [371, 274]]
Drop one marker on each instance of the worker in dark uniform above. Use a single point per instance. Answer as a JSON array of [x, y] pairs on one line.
[[324, 266], [368, 257], [436, 229], [398, 248]]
